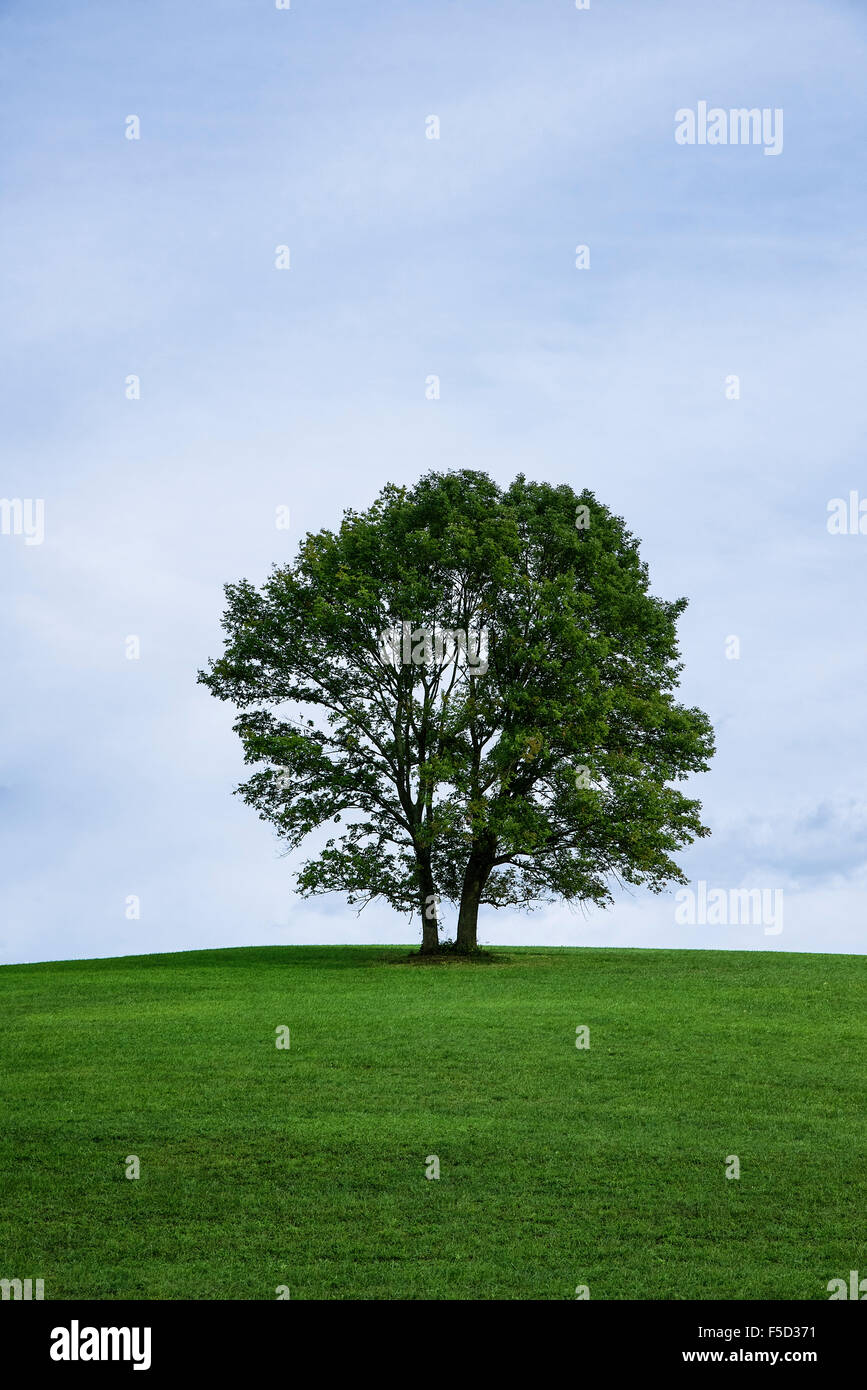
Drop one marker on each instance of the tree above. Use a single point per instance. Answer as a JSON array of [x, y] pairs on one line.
[[477, 680]]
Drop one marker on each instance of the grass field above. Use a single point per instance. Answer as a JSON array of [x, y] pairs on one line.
[[559, 1166]]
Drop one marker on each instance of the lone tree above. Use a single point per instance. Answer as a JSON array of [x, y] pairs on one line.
[[477, 686]]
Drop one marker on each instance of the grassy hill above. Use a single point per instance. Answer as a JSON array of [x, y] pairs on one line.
[[558, 1166]]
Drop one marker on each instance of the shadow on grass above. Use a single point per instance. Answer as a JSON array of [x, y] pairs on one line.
[[447, 955]]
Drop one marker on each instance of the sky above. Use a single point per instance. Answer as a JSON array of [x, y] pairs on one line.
[[703, 374]]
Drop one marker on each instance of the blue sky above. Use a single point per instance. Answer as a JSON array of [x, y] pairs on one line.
[[306, 388]]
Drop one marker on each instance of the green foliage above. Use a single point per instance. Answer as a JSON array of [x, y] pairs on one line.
[[455, 780]]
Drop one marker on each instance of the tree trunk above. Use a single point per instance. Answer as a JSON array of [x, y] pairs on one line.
[[430, 936], [475, 878], [468, 920]]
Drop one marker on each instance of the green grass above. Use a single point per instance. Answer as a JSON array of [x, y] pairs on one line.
[[559, 1166]]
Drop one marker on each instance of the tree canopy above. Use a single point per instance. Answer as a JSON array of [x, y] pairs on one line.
[[473, 688]]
